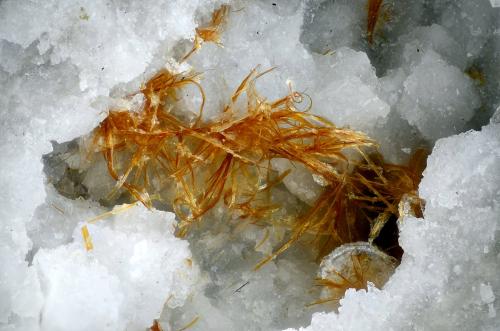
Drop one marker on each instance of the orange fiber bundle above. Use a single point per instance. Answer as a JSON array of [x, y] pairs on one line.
[[228, 161], [211, 32]]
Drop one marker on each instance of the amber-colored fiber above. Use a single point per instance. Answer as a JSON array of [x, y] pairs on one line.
[[87, 239], [190, 324], [228, 161], [477, 75], [343, 282], [374, 9], [349, 208], [225, 160], [156, 326], [211, 32], [354, 272]]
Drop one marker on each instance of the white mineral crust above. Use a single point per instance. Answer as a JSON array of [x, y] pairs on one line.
[[430, 79]]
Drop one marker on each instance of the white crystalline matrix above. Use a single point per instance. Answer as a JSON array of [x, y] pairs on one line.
[[429, 78]]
